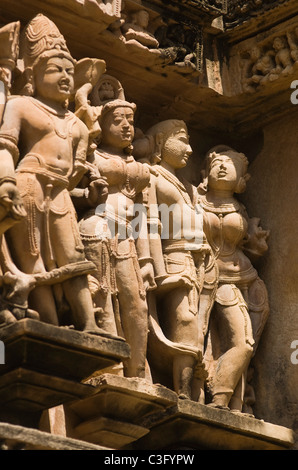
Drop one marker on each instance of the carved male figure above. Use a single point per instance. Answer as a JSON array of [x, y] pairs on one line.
[[185, 273], [47, 144]]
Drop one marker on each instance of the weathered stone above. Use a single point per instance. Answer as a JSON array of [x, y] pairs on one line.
[[35, 377], [229, 75], [111, 416], [14, 437], [200, 427]]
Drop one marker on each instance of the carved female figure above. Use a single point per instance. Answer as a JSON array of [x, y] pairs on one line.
[[241, 305], [124, 268]]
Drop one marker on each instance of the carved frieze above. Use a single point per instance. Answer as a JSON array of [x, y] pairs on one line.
[[239, 11]]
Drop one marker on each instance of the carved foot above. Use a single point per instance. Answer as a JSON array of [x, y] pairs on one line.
[[218, 406], [100, 332]]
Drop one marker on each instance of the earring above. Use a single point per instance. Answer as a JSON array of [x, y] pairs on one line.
[[241, 185]]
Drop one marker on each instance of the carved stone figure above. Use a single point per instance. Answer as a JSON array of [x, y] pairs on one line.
[[124, 267], [258, 69], [11, 206], [293, 43], [241, 305], [283, 60], [48, 145], [185, 272], [135, 29]]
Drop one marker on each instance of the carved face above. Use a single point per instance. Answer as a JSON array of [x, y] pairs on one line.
[[176, 149], [279, 43], [106, 91], [255, 53], [224, 173], [118, 128], [54, 79]]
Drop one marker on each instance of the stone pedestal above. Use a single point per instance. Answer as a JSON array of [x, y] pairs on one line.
[[189, 425], [111, 417], [45, 365]]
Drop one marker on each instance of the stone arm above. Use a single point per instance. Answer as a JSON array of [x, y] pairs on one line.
[[154, 230], [164, 281], [92, 190], [11, 206], [143, 245], [80, 156]]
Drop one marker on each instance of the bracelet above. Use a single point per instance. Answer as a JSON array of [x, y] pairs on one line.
[[8, 179]]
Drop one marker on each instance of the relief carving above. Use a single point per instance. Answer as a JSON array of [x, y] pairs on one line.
[[114, 184], [269, 61], [43, 153], [185, 271], [241, 303], [77, 182]]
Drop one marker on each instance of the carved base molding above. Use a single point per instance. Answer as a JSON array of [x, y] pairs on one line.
[[200, 427], [112, 416], [34, 377]]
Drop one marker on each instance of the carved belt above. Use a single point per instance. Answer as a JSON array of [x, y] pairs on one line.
[[34, 163]]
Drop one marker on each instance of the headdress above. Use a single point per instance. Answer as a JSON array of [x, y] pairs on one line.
[[110, 105], [42, 39], [230, 152]]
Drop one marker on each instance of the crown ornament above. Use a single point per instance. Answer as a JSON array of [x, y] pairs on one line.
[[42, 39]]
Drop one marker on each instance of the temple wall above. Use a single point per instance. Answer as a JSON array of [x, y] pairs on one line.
[[272, 195]]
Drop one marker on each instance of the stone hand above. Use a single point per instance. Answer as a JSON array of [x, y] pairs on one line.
[[174, 282], [98, 187], [148, 275], [11, 204]]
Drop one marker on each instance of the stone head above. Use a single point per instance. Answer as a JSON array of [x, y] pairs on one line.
[[117, 125], [226, 169], [47, 59], [171, 143]]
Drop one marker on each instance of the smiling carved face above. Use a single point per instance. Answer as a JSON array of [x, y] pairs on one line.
[[118, 128], [54, 79]]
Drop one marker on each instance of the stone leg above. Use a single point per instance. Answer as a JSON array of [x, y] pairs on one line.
[[68, 248], [181, 326], [236, 333], [29, 261], [134, 317]]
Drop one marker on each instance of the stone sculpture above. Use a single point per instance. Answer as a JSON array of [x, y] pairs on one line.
[[257, 70], [135, 30], [241, 304], [283, 59], [292, 37], [11, 206], [124, 269], [47, 144], [185, 272]]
